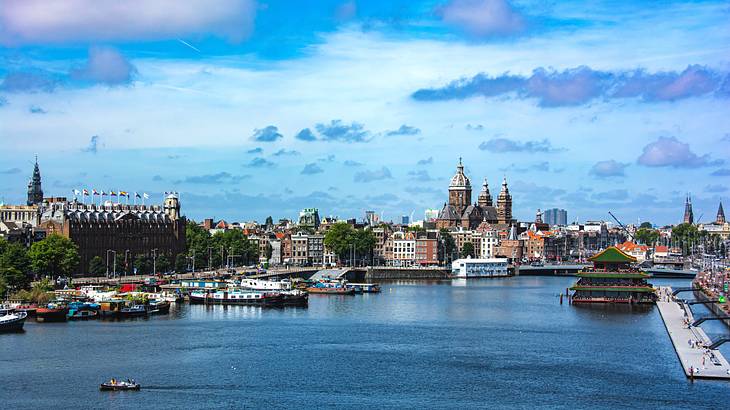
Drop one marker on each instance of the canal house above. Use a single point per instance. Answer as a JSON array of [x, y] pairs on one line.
[[613, 279]]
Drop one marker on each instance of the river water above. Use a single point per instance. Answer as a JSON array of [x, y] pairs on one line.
[[480, 344]]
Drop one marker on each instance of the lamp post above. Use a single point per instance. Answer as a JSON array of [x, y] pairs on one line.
[[126, 262], [154, 262], [107, 262], [114, 274]]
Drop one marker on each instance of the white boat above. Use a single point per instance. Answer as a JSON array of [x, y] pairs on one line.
[[480, 268], [260, 284], [12, 321]]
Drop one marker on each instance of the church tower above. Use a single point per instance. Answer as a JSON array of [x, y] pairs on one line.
[[504, 204], [689, 217], [35, 193], [485, 198], [460, 190], [720, 220], [538, 216], [172, 207]]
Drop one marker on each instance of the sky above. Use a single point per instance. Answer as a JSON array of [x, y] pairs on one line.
[[257, 108]]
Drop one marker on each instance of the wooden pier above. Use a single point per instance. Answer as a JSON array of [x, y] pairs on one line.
[[698, 361]]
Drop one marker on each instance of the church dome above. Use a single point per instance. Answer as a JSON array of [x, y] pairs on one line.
[[460, 180]]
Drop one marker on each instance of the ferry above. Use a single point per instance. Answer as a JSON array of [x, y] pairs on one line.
[[479, 268], [12, 321], [237, 297]]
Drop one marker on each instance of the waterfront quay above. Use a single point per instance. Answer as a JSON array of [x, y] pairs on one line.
[[690, 342]]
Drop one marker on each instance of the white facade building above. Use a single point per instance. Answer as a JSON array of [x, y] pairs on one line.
[[479, 268]]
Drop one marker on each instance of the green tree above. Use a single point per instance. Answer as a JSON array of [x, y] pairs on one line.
[[14, 266], [163, 264], [647, 236], [54, 256], [198, 240], [181, 263], [337, 239], [97, 266], [447, 247], [685, 235], [143, 265], [269, 251], [645, 225], [467, 250]]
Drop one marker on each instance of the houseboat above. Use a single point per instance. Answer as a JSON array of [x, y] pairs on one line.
[[365, 287], [331, 288], [479, 268], [612, 279], [52, 312], [237, 297]]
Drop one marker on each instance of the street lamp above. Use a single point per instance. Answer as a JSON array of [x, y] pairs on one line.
[[126, 262], [107, 260], [154, 262]]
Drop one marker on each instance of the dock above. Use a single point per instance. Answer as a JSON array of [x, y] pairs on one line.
[[690, 341]]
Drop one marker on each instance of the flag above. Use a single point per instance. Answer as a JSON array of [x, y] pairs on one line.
[[86, 192], [94, 192], [103, 193], [123, 193], [112, 193], [137, 195], [145, 196], [76, 192]]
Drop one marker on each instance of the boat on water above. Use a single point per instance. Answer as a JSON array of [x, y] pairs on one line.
[[29, 309], [330, 288], [237, 297], [119, 385], [158, 307], [365, 287], [12, 321], [133, 311], [53, 312], [82, 314], [111, 308]]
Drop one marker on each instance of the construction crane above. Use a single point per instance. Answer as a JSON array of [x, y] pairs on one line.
[[622, 226]]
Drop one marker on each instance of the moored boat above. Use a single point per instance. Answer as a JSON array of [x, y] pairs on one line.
[[83, 314], [53, 312], [295, 297], [133, 311], [161, 307], [237, 297], [331, 290], [365, 287], [12, 321]]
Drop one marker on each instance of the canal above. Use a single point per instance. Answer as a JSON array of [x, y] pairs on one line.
[[479, 344]]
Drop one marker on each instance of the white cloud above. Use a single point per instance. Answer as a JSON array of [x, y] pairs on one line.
[[41, 21]]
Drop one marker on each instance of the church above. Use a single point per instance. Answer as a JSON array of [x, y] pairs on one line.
[[459, 211]]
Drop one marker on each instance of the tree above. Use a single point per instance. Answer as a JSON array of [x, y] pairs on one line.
[[181, 263], [647, 236], [163, 264], [467, 250], [54, 256], [337, 239], [143, 265], [685, 235], [448, 246], [14, 266], [645, 225], [97, 266], [269, 251]]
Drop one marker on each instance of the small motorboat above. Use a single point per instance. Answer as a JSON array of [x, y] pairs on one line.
[[133, 311], [12, 321], [119, 385], [160, 307]]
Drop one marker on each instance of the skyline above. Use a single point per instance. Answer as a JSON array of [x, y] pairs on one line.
[[619, 108]]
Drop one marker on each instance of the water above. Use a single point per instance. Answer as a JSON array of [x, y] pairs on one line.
[[485, 343]]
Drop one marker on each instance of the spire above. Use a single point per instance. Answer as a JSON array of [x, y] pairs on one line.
[[485, 198], [538, 216], [720, 220], [35, 192], [688, 214]]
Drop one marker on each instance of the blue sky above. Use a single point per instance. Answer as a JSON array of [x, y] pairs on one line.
[[251, 109]]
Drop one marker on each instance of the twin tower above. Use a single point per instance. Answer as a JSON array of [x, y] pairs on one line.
[[461, 212]]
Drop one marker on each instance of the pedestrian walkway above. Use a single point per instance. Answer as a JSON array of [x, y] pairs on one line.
[[689, 342]]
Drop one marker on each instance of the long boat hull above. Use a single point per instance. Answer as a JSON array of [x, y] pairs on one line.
[[331, 291], [268, 301], [51, 315]]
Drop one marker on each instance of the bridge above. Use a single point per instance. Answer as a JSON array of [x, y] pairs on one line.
[[719, 342], [677, 290], [550, 270]]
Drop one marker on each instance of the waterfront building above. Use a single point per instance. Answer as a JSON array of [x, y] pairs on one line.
[[688, 214], [510, 247], [309, 218], [612, 280], [124, 230], [556, 216], [299, 254], [639, 252], [404, 249], [315, 250], [719, 228], [426, 248], [275, 258], [480, 268], [459, 211]]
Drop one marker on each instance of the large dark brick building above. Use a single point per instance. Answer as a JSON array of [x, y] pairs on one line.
[[129, 230]]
